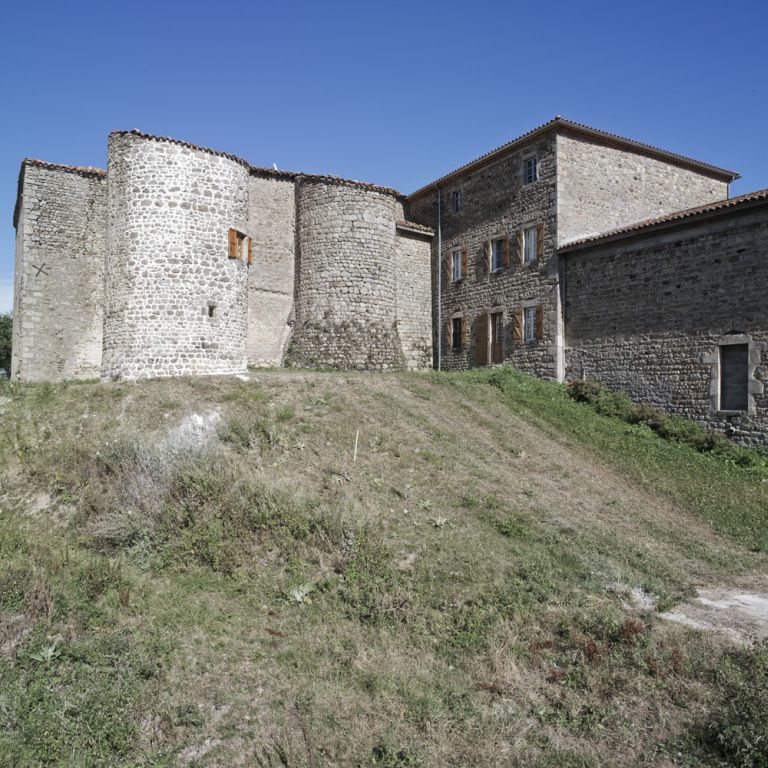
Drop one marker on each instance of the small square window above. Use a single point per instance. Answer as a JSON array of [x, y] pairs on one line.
[[530, 244], [530, 170], [529, 324], [457, 200], [456, 271], [497, 255], [211, 309]]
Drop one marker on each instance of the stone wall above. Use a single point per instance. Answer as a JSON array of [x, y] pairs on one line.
[[272, 227], [59, 279], [601, 187], [414, 298], [169, 213], [647, 314], [495, 204], [346, 277]]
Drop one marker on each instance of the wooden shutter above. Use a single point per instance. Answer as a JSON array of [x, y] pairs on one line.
[[250, 251], [464, 262], [447, 335], [487, 256], [464, 332], [447, 273], [232, 243], [517, 330], [539, 321], [481, 340], [540, 241], [505, 252], [518, 247]]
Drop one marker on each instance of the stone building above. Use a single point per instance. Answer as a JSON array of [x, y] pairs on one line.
[[182, 260], [566, 252]]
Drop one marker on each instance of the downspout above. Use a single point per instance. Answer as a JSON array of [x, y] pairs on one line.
[[439, 263]]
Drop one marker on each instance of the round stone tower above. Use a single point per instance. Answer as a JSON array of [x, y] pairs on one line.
[[345, 308], [176, 270]]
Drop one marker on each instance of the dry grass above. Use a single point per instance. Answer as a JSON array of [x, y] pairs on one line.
[[443, 598]]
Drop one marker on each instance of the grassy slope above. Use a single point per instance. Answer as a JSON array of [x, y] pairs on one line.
[[450, 597]]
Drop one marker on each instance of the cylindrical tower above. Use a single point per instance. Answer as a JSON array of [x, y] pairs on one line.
[[176, 270], [346, 276]]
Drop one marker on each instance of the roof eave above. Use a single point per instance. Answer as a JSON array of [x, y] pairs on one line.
[[662, 226]]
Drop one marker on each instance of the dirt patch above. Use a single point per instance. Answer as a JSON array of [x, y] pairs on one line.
[[740, 614]]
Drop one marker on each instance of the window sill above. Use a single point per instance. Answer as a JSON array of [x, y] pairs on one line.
[[732, 413]]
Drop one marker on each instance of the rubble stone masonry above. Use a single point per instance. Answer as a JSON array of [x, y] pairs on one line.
[[647, 314], [176, 304], [59, 281]]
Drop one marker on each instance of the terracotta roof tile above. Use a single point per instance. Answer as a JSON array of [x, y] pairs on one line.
[[414, 227], [688, 213], [585, 130]]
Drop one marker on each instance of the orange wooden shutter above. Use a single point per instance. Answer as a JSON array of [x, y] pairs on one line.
[[464, 262], [447, 335], [540, 241], [232, 243], [487, 255], [519, 247], [481, 340], [539, 321], [250, 251], [505, 252], [517, 330]]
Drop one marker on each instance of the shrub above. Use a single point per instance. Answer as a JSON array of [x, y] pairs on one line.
[[585, 390]]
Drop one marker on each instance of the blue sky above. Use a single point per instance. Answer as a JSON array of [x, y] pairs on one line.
[[395, 93]]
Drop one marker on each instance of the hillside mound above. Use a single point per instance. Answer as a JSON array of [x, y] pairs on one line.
[[322, 569]]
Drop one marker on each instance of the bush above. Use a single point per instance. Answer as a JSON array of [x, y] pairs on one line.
[[6, 330], [585, 390]]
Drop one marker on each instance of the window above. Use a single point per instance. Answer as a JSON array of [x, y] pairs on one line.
[[211, 309], [456, 271], [530, 170], [529, 324], [530, 244], [497, 337], [734, 375], [457, 333], [237, 245], [457, 200], [497, 255]]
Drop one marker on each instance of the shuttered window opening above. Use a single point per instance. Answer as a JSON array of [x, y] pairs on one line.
[[529, 324], [237, 245], [734, 377], [530, 170], [499, 254], [497, 337], [530, 244], [458, 334], [456, 265]]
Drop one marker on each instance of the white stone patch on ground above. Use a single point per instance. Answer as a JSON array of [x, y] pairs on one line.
[[195, 430], [737, 613]]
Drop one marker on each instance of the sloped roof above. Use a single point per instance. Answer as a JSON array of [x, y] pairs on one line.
[[560, 123], [649, 224]]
